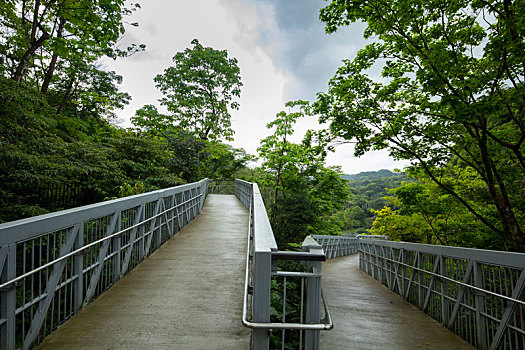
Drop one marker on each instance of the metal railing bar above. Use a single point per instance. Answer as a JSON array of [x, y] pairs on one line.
[[295, 274], [514, 328], [500, 258], [87, 246], [283, 332], [327, 325], [31, 303], [291, 255], [25, 229], [448, 279], [43, 295]]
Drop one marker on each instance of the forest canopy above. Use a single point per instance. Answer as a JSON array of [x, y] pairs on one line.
[[451, 98], [59, 144]]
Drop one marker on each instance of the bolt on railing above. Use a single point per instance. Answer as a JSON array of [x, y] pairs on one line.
[[54, 264], [262, 263], [478, 294]]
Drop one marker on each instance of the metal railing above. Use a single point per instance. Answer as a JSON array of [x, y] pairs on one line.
[[337, 246], [262, 261], [218, 186], [53, 265], [478, 294]]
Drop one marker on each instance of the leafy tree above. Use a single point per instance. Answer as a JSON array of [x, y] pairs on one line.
[[397, 227], [223, 161], [351, 219], [149, 121], [451, 94], [199, 89], [443, 219], [44, 155], [301, 193], [35, 35], [283, 159]]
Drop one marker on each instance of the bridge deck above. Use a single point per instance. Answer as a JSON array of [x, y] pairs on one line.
[[186, 295], [368, 315]]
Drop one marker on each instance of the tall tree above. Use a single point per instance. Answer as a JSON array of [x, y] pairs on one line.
[[452, 92], [199, 89], [36, 34], [304, 192]]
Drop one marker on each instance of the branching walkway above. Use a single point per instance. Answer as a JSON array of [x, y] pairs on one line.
[[186, 295], [368, 315]]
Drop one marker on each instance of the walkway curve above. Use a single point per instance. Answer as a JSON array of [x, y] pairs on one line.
[[367, 315], [186, 295]]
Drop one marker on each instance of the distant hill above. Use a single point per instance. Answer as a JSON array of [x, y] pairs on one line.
[[368, 189], [370, 175], [373, 184]]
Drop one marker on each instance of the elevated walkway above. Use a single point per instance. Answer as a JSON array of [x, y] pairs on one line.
[[367, 315], [186, 295]]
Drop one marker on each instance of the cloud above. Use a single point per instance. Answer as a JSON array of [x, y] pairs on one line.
[[291, 33], [282, 50]]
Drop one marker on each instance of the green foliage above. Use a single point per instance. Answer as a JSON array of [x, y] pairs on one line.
[[58, 148], [193, 159], [87, 160], [198, 91], [300, 192], [368, 190], [439, 217], [451, 95], [37, 37], [149, 121], [397, 227], [126, 190]]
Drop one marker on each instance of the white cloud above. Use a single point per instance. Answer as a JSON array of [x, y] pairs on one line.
[[281, 47]]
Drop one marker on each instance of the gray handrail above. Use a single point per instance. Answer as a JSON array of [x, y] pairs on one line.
[[484, 286], [77, 254], [261, 256], [327, 325], [7, 284]]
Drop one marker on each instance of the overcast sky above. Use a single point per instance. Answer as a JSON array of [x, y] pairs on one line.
[[283, 53]]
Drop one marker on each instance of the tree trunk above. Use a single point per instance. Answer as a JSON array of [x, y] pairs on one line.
[[19, 72], [66, 93], [53, 63]]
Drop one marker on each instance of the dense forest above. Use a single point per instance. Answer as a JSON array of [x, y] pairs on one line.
[[59, 144], [367, 193], [450, 101]]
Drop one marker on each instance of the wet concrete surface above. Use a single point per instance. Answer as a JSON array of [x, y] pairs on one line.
[[186, 295], [368, 315]]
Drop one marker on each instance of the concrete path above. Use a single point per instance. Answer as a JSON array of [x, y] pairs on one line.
[[367, 315], [186, 295]]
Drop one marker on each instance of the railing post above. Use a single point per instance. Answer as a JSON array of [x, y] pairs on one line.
[[171, 215], [262, 262], [313, 294], [78, 285], [444, 291], [141, 231], [8, 303], [480, 306], [117, 240], [420, 280]]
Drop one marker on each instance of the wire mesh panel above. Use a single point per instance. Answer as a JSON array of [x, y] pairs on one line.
[[53, 265]]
